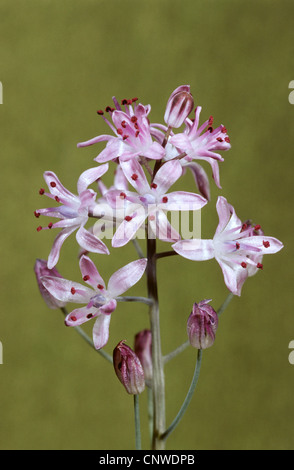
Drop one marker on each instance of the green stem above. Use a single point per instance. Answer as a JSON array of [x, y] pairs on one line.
[[225, 304], [143, 300], [188, 398], [137, 422], [176, 352]]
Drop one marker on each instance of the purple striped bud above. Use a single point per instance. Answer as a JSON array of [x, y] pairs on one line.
[[41, 270], [179, 106], [202, 325], [128, 369], [143, 349]]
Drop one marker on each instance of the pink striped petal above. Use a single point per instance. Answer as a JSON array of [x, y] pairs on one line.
[[195, 250], [89, 242], [57, 244], [67, 291], [182, 201], [90, 273], [128, 228], [126, 277], [135, 175], [167, 175], [57, 189], [79, 316], [101, 331], [89, 176]]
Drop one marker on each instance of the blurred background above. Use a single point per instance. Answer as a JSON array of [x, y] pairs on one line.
[[59, 63]]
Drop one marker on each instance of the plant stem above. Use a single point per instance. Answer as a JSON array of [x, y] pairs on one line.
[[127, 298], [176, 352], [225, 304], [158, 382], [188, 397], [137, 422]]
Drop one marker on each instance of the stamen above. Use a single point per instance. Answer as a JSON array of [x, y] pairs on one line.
[[134, 119], [39, 228], [100, 112], [259, 266], [42, 191], [137, 133], [134, 100], [86, 278], [124, 102], [153, 185], [210, 129], [125, 137], [123, 124], [220, 139], [57, 199], [128, 218], [108, 109], [134, 177], [123, 195], [257, 227], [73, 318], [224, 130], [244, 265], [100, 287], [164, 199], [50, 225], [37, 214], [120, 131], [73, 291], [237, 246], [53, 184], [90, 315], [210, 121], [151, 218], [244, 227], [227, 139], [266, 244]]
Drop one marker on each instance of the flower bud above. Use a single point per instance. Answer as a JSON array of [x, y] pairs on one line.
[[179, 106], [41, 270], [202, 325], [128, 369], [143, 349]]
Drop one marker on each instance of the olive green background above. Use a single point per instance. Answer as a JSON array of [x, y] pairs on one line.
[[60, 61]]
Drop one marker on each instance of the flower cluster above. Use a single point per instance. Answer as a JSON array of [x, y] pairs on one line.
[[148, 158]]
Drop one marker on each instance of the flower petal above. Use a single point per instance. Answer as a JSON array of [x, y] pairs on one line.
[[128, 228], [195, 250], [90, 273], [81, 315], [57, 244], [89, 176], [183, 201], [126, 277], [234, 276], [201, 179], [101, 331], [135, 175], [67, 291], [167, 175], [58, 190], [89, 242]]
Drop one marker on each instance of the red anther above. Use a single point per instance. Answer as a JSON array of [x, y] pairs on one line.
[[134, 119], [244, 227], [123, 124], [53, 184], [123, 195], [210, 121], [136, 125], [86, 278], [90, 315], [151, 218], [266, 244], [210, 129], [220, 139], [39, 228], [124, 101], [41, 191], [129, 102], [257, 227], [73, 318], [237, 246], [120, 131], [224, 130], [134, 100], [137, 133], [50, 225], [57, 199], [244, 265], [108, 109], [100, 112], [227, 139], [134, 177], [153, 185], [164, 199], [259, 266], [128, 218], [125, 137], [37, 214], [100, 287], [73, 291]]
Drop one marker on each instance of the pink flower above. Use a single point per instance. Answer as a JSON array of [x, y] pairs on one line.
[[100, 302], [128, 369], [202, 143], [73, 212], [234, 246], [152, 201], [42, 270], [143, 349], [202, 325], [179, 106], [132, 134]]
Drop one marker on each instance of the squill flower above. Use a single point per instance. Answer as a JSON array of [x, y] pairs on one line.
[[128, 369], [132, 134], [202, 143], [234, 247], [202, 325], [100, 301], [73, 212], [152, 202], [179, 106], [143, 349], [42, 270]]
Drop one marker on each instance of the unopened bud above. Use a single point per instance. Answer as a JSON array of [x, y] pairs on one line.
[[143, 349], [128, 369], [179, 106], [202, 325], [41, 270]]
